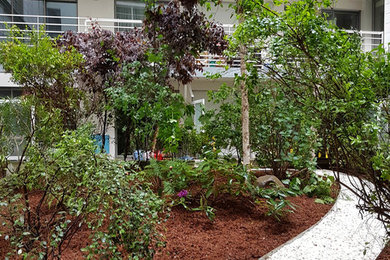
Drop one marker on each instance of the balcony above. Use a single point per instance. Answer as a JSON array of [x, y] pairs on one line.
[[55, 25]]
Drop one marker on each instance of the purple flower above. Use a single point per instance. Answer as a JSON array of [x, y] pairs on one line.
[[182, 193]]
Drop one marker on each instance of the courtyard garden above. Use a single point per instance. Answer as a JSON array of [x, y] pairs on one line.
[[237, 187]]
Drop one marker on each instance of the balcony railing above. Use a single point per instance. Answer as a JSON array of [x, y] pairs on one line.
[[55, 25]]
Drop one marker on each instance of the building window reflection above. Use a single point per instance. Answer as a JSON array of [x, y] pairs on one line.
[[129, 10], [348, 20], [379, 15], [17, 12]]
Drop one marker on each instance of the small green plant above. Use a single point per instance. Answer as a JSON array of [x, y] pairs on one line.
[[170, 177], [277, 203], [279, 208], [320, 187], [209, 211], [211, 177]]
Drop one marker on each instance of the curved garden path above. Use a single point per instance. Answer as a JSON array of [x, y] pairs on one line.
[[343, 233]]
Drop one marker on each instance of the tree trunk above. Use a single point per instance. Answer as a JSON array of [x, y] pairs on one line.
[[244, 98], [155, 139], [103, 133]]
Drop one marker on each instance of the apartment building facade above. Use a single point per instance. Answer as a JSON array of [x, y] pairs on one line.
[[370, 17]]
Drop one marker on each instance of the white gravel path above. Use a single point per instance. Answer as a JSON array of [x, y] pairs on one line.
[[341, 234]]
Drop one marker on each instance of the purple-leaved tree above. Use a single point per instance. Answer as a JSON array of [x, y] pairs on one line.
[[170, 41]]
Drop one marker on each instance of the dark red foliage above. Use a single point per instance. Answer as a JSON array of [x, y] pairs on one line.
[[178, 29], [184, 33], [104, 53]]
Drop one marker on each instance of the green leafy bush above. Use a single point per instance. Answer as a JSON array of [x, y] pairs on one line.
[[210, 178], [279, 208], [320, 187], [170, 177], [314, 186], [282, 135], [61, 184]]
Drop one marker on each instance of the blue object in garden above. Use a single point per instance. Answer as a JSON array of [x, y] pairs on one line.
[[139, 153], [187, 158], [98, 141]]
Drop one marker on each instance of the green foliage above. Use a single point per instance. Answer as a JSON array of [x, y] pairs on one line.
[[319, 186], [224, 124], [15, 122], [282, 135], [192, 143], [142, 106], [323, 71], [279, 208], [276, 200], [44, 71], [209, 179], [61, 184], [174, 175], [314, 186]]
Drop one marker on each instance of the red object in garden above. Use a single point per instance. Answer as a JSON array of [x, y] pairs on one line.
[[158, 155]]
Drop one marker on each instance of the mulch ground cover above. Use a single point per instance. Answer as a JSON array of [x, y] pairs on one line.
[[241, 230], [385, 254]]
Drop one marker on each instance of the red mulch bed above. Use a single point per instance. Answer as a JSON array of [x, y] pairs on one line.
[[240, 231], [385, 254]]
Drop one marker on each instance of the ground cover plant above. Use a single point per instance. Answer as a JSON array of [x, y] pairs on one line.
[[196, 188]]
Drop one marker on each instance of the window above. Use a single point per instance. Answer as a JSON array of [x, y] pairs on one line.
[[349, 20], [19, 11], [6, 92], [129, 10], [19, 8], [379, 15], [65, 9]]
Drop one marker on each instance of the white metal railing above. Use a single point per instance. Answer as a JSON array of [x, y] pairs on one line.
[[55, 25], [370, 39]]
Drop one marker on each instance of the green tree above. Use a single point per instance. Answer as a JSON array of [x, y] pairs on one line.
[[140, 104], [37, 65], [325, 71]]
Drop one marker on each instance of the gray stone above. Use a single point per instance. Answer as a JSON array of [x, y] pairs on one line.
[[267, 179]]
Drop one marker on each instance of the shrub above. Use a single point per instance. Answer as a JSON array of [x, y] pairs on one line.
[[210, 178], [61, 184]]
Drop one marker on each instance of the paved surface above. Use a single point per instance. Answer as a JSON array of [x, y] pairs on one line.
[[341, 234]]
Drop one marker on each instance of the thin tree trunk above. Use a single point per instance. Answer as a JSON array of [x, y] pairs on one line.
[[103, 134], [155, 139], [244, 98]]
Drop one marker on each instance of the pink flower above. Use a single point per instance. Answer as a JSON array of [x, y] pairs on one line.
[[182, 193]]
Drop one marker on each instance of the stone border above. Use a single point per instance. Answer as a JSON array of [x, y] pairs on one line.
[[342, 233], [266, 256]]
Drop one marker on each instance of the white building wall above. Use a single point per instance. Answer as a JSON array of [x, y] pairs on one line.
[[5, 80], [225, 14], [222, 14], [365, 8], [387, 24], [201, 86], [96, 8]]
